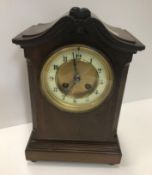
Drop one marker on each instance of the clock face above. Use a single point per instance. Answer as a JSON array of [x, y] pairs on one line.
[[76, 78]]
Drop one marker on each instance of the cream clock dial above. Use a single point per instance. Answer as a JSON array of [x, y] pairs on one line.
[[76, 78]]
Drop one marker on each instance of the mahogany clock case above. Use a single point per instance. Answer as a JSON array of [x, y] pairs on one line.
[[85, 137]]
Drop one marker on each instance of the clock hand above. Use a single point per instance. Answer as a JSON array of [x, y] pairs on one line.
[[71, 84], [76, 74], [76, 77], [75, 66]]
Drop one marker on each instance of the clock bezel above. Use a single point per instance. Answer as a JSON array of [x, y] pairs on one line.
[[77, 108]]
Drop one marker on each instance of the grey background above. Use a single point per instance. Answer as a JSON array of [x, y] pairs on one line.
[[17, 15]]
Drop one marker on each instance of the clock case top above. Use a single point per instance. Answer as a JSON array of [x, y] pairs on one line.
[[78, 26]]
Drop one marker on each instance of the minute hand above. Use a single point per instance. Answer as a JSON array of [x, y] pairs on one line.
[[75, 67], [76, 76]]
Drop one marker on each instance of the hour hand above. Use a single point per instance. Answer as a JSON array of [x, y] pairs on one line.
[[68, 86]]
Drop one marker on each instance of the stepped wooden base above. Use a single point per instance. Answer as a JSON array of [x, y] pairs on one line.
[[94, 152]]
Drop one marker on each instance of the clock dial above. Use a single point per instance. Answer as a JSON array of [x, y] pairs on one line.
[[76, 78]]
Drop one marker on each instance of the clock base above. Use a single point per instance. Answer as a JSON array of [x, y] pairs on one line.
[[73, 151]]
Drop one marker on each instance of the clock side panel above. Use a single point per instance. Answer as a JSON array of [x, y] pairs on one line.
[[50, 123], [119, 98]]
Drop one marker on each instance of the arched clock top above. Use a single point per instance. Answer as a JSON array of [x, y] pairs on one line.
[[79, 21]]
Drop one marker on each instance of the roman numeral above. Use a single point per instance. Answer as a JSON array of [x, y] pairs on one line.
[[56, 67]]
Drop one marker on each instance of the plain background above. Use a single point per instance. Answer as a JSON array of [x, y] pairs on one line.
[[17, 15]]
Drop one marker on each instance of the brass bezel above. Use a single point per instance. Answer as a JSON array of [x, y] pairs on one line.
[[70, 107]]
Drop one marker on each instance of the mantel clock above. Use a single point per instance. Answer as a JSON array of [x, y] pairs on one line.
[[77, 69]]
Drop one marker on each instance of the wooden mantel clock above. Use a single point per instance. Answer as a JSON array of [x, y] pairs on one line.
[[77, 69]]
